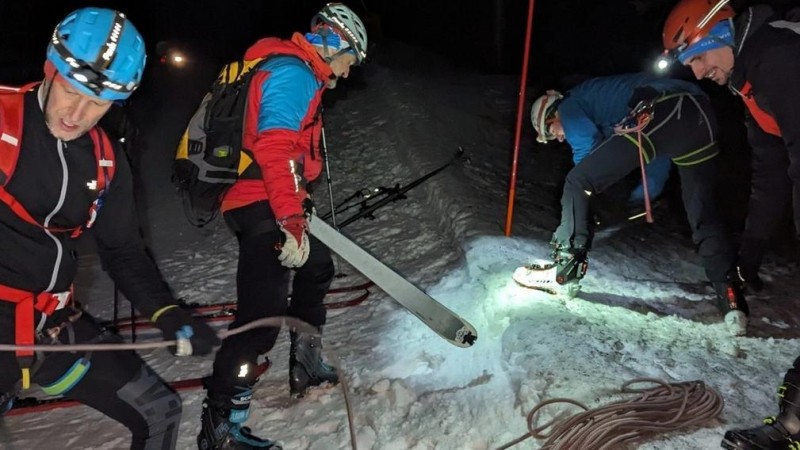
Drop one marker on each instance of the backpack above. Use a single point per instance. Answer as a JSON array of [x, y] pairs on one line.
[[11, 115], [209, 158]]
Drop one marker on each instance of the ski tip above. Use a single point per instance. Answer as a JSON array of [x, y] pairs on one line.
[[465, 337]]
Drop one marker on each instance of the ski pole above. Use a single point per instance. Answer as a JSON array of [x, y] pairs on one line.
[[365, 198], [400, 191], [338, 208], [328, 175]]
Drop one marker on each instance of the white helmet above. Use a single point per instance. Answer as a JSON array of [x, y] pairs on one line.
[[542, 112], [346, 23]]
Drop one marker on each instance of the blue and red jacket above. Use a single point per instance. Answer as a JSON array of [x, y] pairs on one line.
[[282, 125]]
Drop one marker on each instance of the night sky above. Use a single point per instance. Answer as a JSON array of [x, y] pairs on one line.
[[570, 37]]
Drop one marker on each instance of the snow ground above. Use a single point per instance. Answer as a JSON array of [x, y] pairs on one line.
[[644, 310]]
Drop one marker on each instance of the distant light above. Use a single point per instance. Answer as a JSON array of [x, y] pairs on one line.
[[177, 59]]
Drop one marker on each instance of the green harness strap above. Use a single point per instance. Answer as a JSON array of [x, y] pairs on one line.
[[687, 159]]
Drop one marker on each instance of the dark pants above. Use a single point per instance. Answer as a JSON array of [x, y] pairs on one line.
[[771, 192], [118, 383], [682, 125], [263, 291]]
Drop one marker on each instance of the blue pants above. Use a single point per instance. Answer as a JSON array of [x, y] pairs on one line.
[[657, 175]]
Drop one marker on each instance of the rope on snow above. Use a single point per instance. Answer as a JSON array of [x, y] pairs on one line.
[[664, 408]]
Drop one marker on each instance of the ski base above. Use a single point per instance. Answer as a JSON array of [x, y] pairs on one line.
[[221, 312], [435, 315]]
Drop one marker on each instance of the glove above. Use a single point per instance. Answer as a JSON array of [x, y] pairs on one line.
[[294, 251], [194, 336]]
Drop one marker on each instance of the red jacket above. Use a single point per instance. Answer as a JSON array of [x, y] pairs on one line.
[[282, 125]]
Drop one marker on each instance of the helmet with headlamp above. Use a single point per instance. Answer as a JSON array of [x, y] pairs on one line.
[[693, 22], [99, 52]]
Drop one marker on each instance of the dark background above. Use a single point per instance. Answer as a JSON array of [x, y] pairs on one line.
[[569, 36]]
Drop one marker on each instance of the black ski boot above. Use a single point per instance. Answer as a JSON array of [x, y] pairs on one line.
[[777, 433], [306, 367], [751, 253], [750, 279], [222, 420], [559, 277], [571, 264], [732, 304]]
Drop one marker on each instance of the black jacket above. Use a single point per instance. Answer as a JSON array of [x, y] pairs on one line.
[[767, 55], [36, 260]]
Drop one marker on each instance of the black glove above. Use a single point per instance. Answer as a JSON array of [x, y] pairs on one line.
[[194, 336]]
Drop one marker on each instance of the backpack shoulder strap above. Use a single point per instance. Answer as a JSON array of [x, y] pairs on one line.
[[11, 113], [11, 109], [106, 168]]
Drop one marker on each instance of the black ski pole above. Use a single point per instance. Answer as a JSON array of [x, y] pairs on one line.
[[328, 175], [363, 203], [399, 192], [338, 208]]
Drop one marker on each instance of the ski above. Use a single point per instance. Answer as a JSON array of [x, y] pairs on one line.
[[436, 316], [390, 195], [220, 312], [28, 405]]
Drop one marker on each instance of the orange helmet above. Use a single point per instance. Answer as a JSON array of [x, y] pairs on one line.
[[691, 20]]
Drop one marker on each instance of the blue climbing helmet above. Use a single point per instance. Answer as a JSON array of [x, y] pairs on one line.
[[99, 52]]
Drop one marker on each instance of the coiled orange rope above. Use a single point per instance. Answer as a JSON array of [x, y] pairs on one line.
[[664, 408]]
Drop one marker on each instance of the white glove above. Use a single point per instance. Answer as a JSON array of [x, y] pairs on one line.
[[294, 252]]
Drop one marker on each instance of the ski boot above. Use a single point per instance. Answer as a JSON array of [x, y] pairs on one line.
[[750, 279], [306, 368], [731, 301], [559, 277], [222, 420], [571, 264], [777, 433], [751, 253]]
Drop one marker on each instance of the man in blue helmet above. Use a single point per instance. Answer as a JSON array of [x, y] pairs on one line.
[[63, 179]]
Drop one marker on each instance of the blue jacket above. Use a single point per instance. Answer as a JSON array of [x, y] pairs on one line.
[[590, 110]]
